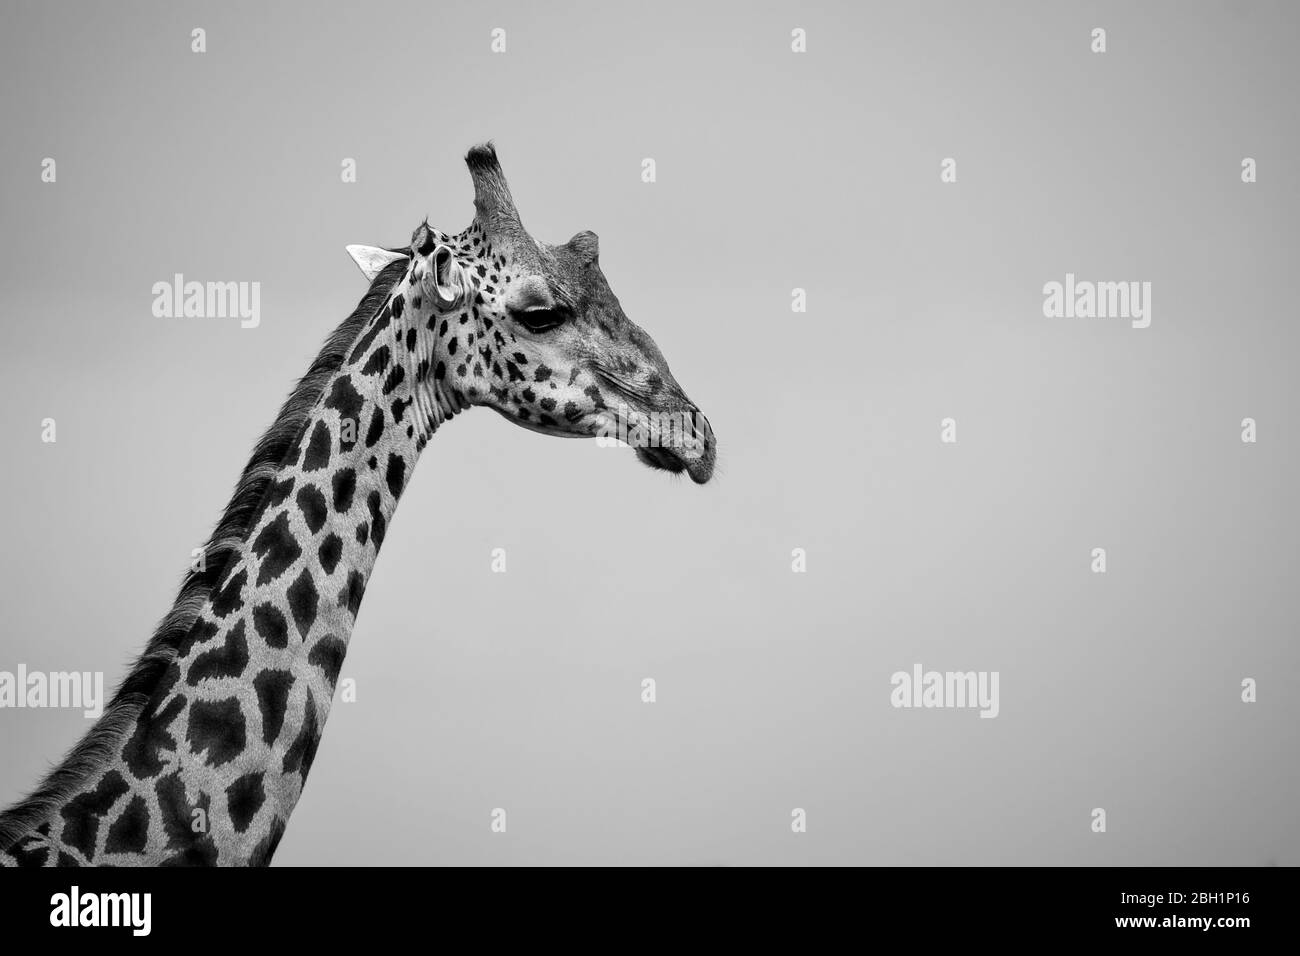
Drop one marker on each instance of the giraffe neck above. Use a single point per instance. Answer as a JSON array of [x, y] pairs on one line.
[[214, 763]]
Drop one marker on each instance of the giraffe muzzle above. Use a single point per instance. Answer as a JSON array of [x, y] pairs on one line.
[[701, 468], [689, 445]]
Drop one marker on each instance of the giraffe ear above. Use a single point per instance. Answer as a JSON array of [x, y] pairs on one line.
[[450, 280], [372, 260]]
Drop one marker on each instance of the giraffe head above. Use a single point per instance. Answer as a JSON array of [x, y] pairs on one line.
[[533, 331]]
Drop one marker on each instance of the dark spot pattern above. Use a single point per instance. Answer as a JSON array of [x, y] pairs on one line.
[[165, 684], [81, 814], [380, 323], [130, 831], [328, 656], [331, 549], [199, 853], [377, 362], [303, 600], [277, 548], [150, 739], [228, 660], [201, 632], [301, 753], [175, 811], [378, 524], [216, 730], [262, 853], [376, 427], [271, 625], [348, 402], [32, 853], [353, 591], [279, 491], [244, 798], [317, 455], [396, 474], [272, 687], [231, 596], [343, 485], [312, 504]]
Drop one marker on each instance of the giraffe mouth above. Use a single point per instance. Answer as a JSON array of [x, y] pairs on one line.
[[662, 459], [680, 436], [695, 458]]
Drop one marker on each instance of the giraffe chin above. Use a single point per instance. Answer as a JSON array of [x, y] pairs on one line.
[[700, 467], [551, 430]]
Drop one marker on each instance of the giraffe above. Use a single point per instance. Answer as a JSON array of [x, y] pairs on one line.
[[203, 752]]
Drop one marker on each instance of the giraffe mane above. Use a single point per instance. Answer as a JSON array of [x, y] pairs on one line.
[[135, 692]]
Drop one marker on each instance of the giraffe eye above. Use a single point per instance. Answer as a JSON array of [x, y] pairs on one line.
[[540, 320]]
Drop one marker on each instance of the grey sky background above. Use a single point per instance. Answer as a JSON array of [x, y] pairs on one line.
[[775, 170]]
